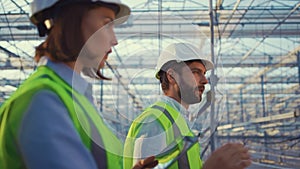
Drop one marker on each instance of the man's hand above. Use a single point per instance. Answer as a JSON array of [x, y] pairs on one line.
[[148, 162], [229, 156]]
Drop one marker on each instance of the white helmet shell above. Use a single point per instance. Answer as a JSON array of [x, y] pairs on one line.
[[181, 52], [124, 9], [39, 6]]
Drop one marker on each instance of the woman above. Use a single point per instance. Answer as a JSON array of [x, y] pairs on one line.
[[50, 121]]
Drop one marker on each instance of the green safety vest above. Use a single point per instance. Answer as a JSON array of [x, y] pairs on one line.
[[85, 118], [175, 128]]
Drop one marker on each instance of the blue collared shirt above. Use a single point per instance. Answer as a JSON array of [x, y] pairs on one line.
[[47, 137]]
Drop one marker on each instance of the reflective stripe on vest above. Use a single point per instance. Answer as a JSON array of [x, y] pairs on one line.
[[172, 122], [83, 114], [183, 160]]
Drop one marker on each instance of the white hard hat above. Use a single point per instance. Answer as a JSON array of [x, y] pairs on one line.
[[41, 9], [181, 52]]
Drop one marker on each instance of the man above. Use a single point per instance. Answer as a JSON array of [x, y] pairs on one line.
[[50, 121], [162, 129]]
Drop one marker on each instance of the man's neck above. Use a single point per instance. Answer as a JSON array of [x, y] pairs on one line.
[[185, 105]]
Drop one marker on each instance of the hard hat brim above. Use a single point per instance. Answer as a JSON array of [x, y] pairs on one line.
[[208, 66], [181, 52], [122, 15], [41, 10]]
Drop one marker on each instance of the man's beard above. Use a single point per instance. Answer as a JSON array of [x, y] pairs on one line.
[[188, 94]]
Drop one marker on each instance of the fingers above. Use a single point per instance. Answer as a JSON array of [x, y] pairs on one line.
[[241, 160], [244, 163], [245, 155], [148, 162], [148, 159], [241, 155], [233, 146], [229, 156]]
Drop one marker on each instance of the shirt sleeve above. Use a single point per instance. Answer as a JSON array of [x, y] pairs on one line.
[[47, 137]]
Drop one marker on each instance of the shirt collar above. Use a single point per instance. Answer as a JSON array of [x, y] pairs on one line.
[[178, 107], [67, 74], [172, 102]]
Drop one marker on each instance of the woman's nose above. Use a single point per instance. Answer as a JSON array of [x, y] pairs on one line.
[[114, 40]]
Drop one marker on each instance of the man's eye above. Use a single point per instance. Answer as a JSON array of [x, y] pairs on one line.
[[196, 72]]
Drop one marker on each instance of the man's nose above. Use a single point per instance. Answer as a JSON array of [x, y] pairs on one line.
[[203, 79]]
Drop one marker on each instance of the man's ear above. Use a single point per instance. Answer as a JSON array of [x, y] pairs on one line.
[[171, 75]]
